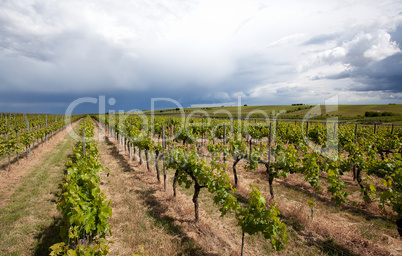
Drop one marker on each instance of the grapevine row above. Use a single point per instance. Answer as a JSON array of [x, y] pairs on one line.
[[84, 208], [319, 151], [192, 170], [18, 132]]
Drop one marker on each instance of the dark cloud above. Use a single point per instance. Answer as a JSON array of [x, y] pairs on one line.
[[382, 75], [371, 60], [321, 39], [341, 75], [397, 35], [52, 53], [57, 103], [356, 52]]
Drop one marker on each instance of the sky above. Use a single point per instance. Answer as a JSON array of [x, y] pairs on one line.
[[143, 54]]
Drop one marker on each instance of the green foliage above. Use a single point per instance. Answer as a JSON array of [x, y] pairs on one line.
[[14, 133], [255, 217], [317, 134], [98, 248], [186, 136], [337, 186], [191, 168], [237, 145], [310, 203], [287, 160], [390, 172], [252, 218], [145, 144], [326, 151], [84, 208], [375, 114], [311, 169]]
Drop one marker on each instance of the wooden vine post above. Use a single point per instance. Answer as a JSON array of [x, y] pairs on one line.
[[29, 145], [163, 157], [334, 130], [202, 131], [130, 153], [356, 133], [269, 143], [83, 142], [9, 156], [354, 166], [224, 142], [242, 243], [307, 129]]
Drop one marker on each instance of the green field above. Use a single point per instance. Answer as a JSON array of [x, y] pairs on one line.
[[350, 113]]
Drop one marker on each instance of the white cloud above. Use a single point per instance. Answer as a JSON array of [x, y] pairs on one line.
[[336, 54], [291, 39], [381, 47], [382, 97], [360, 50]]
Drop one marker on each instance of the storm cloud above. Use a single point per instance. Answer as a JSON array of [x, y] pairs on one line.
[[197, 52]]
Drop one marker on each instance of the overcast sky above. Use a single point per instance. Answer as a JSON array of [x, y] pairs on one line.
[[198, 52]]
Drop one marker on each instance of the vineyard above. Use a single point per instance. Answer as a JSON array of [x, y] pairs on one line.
[[329, 156], [270, 183], [19, 132]]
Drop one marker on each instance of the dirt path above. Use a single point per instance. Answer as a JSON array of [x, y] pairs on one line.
[[28, 215]]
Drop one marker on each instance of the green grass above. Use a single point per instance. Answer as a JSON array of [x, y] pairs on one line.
[[28, 224], [350, 113], [244, 111]]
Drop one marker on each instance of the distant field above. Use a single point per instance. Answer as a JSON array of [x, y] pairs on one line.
[[352, 113]]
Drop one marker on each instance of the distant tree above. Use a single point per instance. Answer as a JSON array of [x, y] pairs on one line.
[[374, 114]]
